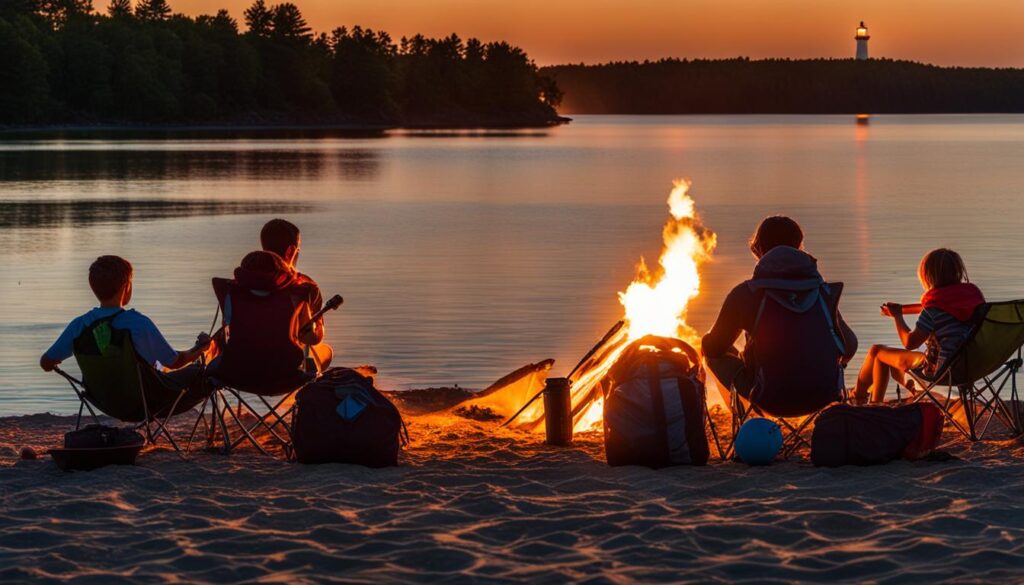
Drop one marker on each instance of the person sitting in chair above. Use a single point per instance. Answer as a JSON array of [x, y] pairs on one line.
[[110, 278], [796, 340], [283, 238], [270, 345], [946, 309]]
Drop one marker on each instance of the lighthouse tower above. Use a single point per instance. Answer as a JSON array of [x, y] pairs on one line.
[[862, 42]]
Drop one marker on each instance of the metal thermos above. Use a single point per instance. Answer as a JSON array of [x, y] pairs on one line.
[[558, 411]]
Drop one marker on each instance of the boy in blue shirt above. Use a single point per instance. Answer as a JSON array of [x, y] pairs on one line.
[[110, 278]]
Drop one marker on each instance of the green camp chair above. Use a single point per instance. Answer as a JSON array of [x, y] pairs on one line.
[[116, 382], [979, 372]]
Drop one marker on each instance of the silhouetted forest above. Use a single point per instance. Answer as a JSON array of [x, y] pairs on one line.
[[742, 86], [64, 62]]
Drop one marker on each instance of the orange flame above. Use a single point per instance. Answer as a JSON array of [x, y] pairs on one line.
[[655, 303]]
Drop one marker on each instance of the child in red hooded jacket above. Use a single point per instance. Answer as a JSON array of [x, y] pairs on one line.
[[946, 308]]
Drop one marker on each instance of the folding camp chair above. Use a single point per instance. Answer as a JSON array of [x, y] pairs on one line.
[[116, 382], [260, 358], [980, 371]]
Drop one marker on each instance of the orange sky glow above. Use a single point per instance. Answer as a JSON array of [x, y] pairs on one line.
[[944, 32]]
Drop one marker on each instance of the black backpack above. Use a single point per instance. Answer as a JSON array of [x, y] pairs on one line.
[[795, 350], [654, 409], [343, 418]]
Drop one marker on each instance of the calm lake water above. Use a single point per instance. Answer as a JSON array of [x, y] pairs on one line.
[[462, 256]]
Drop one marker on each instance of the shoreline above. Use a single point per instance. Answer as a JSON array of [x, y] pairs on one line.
[[355, 129]]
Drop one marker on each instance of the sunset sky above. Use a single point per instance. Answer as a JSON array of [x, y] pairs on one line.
[[946, 32]]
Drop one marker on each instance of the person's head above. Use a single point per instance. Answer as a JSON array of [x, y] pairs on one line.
[[775, 230], [282, 238], [110, 278], [941, 267]]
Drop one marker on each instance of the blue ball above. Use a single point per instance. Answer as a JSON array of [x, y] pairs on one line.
[[758, 441]]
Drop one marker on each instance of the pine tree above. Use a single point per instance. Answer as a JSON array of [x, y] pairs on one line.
[[224, 21], [58, 12], [289, 23], [258, 19], [152, 10], [120, 8]]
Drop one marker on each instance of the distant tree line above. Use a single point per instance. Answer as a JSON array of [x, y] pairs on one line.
[[62, 62], [742, 86]]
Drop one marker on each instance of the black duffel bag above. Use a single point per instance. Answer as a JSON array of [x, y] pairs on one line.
[[873, 435], [98, 436], [343, 418]]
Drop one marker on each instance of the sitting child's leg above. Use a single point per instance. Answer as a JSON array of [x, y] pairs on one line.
[[880, 364]]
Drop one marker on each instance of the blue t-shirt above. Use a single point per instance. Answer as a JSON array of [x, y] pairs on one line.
[[148, 341]]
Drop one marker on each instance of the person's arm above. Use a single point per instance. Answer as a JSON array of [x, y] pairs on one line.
[[730, 322], [62, 348], [911, 309], [314, 334], [910, 338], [191, 354]]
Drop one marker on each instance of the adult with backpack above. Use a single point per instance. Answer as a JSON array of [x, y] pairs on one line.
[[797, 342]]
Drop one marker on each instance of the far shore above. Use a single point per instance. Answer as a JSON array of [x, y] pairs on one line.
[[355, 129]]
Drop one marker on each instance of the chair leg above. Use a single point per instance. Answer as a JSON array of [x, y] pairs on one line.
[[195, 427], [220, 406], [967, 403], [795, 438], [1018, 425], [714, 435], [245, 430]]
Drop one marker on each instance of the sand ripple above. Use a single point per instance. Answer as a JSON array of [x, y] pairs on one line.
[[472, 504]]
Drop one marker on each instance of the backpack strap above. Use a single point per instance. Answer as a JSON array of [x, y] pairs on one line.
[[658, 404], [840, 344], [760, 310], [96, 337]]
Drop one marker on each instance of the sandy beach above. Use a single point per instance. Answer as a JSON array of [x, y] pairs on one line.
[[474, 503]]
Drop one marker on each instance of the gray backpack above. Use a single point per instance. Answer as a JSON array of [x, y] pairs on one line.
[[654, 408]]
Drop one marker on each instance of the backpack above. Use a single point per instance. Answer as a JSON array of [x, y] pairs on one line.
[[794, 350], [655, 409], [343, 418], [873, 435]]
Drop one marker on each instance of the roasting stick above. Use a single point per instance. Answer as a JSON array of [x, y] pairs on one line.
[[607, 337], [331, 304], [911, 309]]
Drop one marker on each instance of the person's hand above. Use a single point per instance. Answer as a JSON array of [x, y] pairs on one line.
[[47, 364], [203, 340], [892, 309]]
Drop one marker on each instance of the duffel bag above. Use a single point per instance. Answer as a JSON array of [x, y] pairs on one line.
[[873, 435]]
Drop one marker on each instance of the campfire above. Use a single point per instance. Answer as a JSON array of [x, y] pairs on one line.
[[655, 303]]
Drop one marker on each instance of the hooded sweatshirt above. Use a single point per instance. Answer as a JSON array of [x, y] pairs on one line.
[[266, 272], [781, 269]]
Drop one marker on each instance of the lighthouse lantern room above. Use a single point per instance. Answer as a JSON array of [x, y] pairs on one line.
[[862, 42]]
